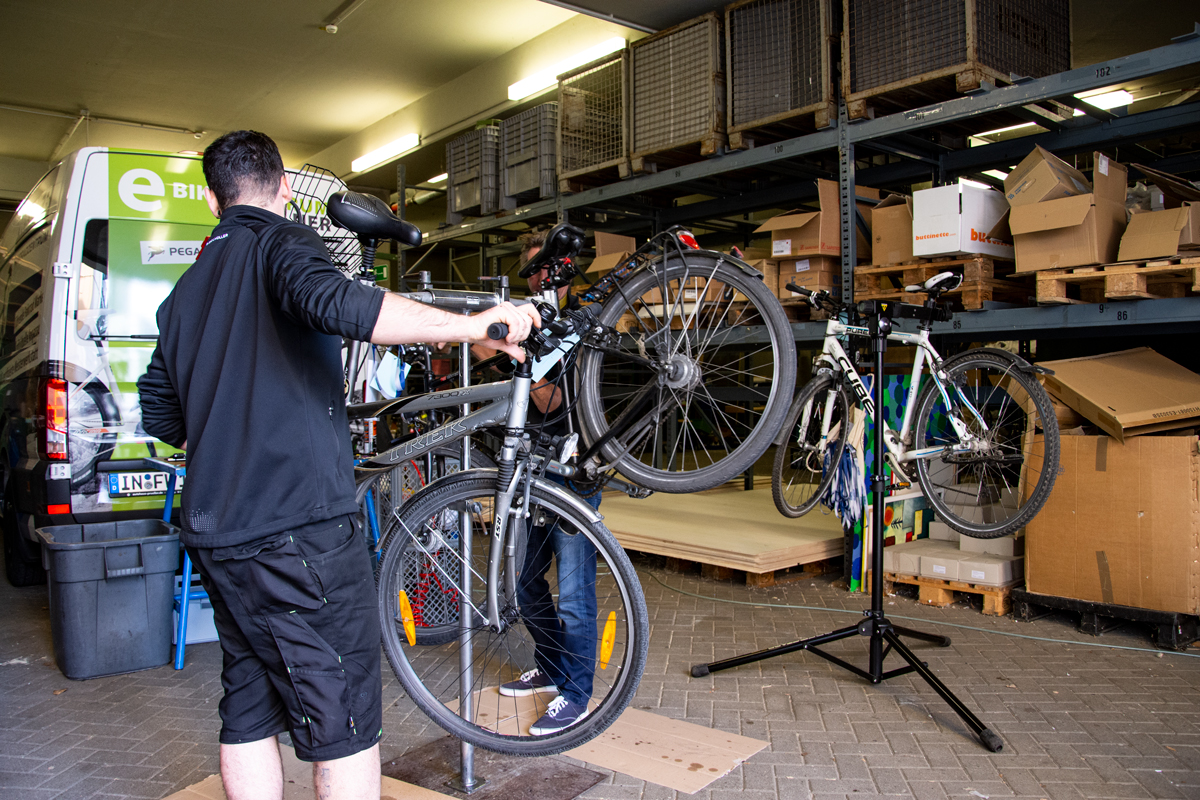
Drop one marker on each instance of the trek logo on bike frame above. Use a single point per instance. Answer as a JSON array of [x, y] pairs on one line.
[[451, 430]]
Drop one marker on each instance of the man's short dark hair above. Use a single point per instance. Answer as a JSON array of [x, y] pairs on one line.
[[243, 167], [533, 240]]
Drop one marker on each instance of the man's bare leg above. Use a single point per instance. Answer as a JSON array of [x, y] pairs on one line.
[[252, 771], [354, 777]]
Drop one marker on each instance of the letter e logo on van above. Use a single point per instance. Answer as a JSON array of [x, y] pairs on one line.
[[138, 183]]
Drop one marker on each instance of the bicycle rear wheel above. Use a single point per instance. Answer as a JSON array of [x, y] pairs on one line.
[[431, 673], [995, 479], [805, 460], [694, 379]]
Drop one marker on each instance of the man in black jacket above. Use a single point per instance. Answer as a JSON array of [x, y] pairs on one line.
[[247, 376]]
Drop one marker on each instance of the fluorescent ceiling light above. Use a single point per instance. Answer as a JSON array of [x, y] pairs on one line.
[[438, 178], [1106, 100], [969, 182], [995, 173], [1009, 128], [390, 150], [548, 77]]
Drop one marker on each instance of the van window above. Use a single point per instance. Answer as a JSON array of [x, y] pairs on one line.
[[22, 279], [93, 273]]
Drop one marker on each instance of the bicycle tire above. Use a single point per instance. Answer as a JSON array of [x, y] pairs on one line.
[[1011, 479], [389, 490], [799, 457], [430, 674], [714, 374]]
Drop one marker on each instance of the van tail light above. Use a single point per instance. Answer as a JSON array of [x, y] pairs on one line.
[[55, 439]]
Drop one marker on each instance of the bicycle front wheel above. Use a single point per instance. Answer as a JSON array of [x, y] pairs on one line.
[[693, 382], [995, 478], [811, 448], [610, 638]]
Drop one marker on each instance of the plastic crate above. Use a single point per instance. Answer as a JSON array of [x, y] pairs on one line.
[[902, 55], [201, 626], [592, 125], [527, 145], [678, 80], [780, 70], [473, 174], [111, 595]]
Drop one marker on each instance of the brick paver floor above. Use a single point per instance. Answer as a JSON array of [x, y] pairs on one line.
[[1078, 721]]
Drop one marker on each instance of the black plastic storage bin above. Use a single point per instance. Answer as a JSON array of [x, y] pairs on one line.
[[112, 586]]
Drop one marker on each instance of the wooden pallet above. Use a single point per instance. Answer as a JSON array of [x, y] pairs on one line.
[[917, 91], [971, 295], [783, 126], [997, 600], [755, 580], [711, 144], [599, 175], [1126, 280], [918, 270]]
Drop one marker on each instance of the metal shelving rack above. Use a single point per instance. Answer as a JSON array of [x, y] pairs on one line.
[[741, 181]]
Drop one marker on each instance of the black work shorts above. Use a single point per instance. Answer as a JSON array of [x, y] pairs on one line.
[[299, 628]]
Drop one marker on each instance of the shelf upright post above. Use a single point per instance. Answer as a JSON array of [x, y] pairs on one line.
[[394, 280], [846, 193]]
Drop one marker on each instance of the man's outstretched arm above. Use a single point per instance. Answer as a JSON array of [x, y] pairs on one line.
[[403, 321]]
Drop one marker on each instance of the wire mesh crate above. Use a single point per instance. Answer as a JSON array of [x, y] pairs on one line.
[[311, 187], [678, 80], [780, 68], [902, 54], [473, 174], [527, 141], [592, 129]]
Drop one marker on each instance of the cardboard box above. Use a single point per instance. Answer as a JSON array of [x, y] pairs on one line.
[[612, 250], [941, 532], [692, 289], [990, 570], [1002, 546], [892, 230], [814, 233], [1155, 234], [941, 564], [1043, 176], [815, 273], [959, 220], [769, 267], [1120, 525], [904, 558], [1128, 393], [1175, 190], [1073, 231]]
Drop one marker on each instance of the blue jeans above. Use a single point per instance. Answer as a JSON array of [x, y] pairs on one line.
[[564, 638]]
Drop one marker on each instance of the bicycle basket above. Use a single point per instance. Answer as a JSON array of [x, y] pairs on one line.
[[311, 187]]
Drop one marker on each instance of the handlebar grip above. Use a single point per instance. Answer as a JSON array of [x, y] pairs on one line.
[[497, 330], [800, 290]]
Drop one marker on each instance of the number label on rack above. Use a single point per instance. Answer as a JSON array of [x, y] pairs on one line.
[[1103, 72], [1115, 315]]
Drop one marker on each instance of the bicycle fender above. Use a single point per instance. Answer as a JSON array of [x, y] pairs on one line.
[[1019, 362], [728, 259], [560, 492]]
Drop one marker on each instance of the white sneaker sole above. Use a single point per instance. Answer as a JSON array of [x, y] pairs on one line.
[[506, 692]]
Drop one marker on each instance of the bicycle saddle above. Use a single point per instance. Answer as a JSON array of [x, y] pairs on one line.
[[939, 284], [370, 218], [562, 242]]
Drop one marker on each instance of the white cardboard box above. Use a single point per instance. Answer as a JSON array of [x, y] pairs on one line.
[[958, 220], [940, 564], [990, 569], [1002, 546]]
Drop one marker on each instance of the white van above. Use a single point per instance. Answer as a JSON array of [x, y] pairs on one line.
[[84, 264]]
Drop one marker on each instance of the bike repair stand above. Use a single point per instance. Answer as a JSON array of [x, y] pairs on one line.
[[875, 625], [467, 781]]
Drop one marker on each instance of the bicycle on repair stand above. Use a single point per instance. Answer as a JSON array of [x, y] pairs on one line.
[[684, 364], [979, 435]]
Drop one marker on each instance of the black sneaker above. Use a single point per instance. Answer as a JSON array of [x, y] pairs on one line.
[[531, 682], [560, 715]]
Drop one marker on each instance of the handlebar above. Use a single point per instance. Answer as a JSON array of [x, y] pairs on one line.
[[497, 330]]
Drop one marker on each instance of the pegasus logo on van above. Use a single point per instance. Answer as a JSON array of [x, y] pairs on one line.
[[170, 252]]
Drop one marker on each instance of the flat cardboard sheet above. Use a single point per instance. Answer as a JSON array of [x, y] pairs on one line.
[[735, 529], [1128, 393], [679, 755], [297, 784], [1159, 234]]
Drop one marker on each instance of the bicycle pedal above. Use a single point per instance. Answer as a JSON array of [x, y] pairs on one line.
[[900, 487]]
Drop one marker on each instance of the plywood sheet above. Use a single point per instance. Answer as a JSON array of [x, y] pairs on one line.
[[679, 755], [735, 529]]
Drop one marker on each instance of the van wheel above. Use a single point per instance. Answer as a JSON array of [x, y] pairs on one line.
[[22, 558]]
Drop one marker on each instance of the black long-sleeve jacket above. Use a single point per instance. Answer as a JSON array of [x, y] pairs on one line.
[[248, 372]]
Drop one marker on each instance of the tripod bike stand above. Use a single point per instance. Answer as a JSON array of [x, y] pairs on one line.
[[875, 623]]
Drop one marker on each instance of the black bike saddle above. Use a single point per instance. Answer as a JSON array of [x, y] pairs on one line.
[[370, 218], [562, 242]]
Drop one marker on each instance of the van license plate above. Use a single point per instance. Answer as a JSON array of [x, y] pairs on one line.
[[131, 484]]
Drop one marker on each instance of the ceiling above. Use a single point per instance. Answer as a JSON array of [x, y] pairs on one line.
[[173, 75]]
